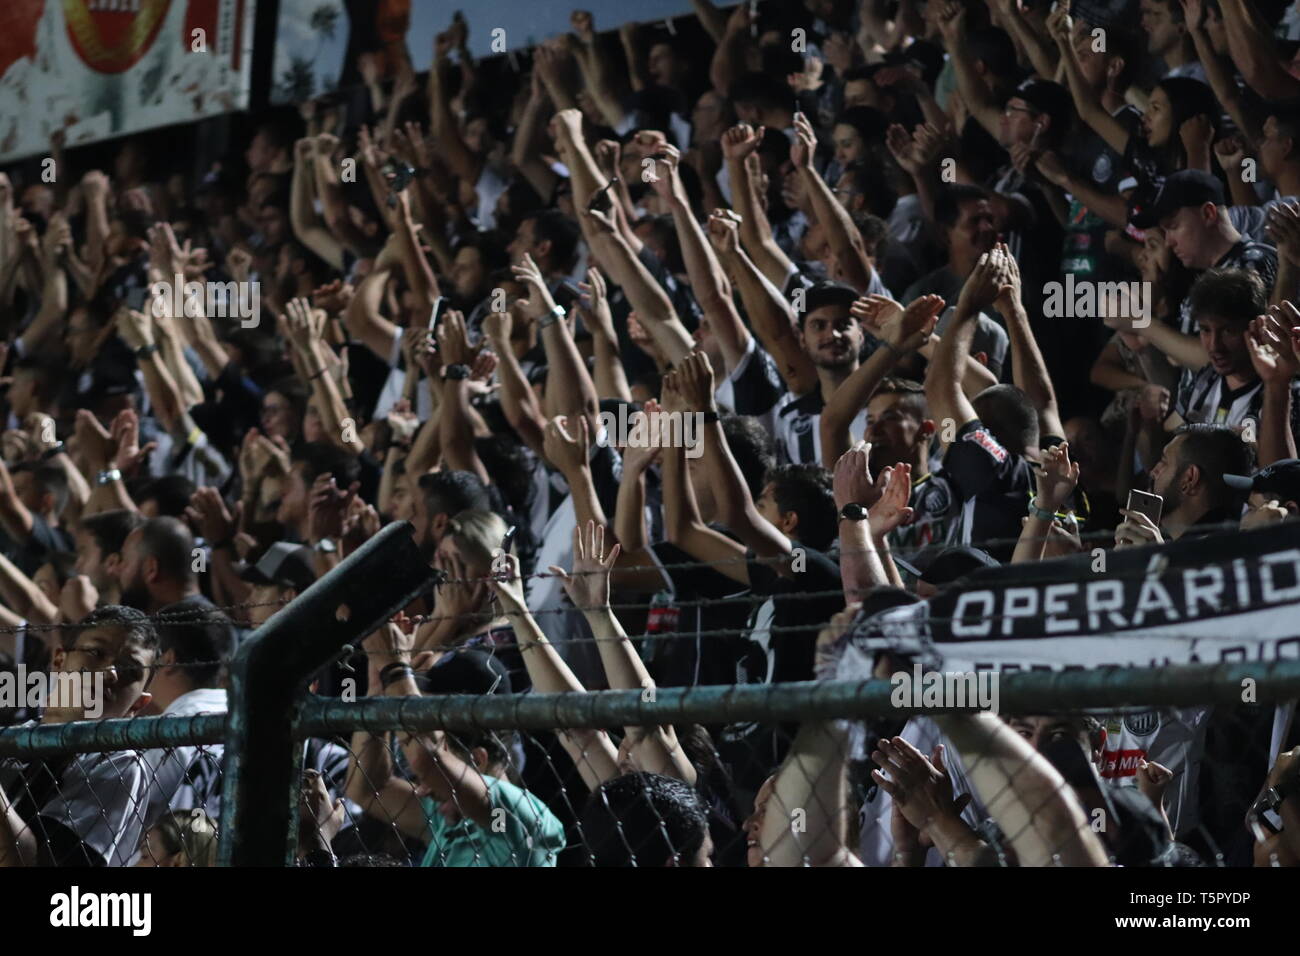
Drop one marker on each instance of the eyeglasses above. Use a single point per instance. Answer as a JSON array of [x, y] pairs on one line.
[[1009, 109]]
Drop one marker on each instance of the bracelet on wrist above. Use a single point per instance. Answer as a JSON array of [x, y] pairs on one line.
[[392, 673], [145, 351], [108, 475], [315, 375], [55, 449], [1038, 512], [550, 318]]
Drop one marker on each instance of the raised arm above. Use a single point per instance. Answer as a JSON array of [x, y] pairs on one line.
[[1030, 800], [943, 391], [442, 121], [518, 400], [861, 570], [974, 92], [362, 317], [1028, 369], [739, 143], [683, 525], [1272, 340], [570, 390], [1253, 51], [845, 239], [307, 225], [730, 493], [806, 823], [653, 308], [523, 148], [609, 374], [903, 335], [1087, 102], [592, 752], [656, 749], [708, 282], [771, 316]]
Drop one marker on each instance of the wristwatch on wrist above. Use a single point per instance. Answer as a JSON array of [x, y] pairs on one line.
[[1038, 512], [455, 373], [108, 475], [710, 417], [550, 318], [145, 351], [326, 546], [55, 449], [854, 512]]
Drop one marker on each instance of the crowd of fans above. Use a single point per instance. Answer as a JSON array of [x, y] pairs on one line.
[[831, 231]]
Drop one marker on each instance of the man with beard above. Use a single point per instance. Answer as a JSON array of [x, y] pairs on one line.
[[833, 339], [1189, 477], [157, 574]]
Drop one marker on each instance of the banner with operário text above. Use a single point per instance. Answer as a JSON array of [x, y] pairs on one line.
[[1233, 596]]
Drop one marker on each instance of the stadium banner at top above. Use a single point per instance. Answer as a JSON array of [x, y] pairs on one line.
[[318, 41], [97, 69]]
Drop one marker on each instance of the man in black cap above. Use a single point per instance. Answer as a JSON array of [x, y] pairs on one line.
[[279, 576], [1193, 212], [1273, 493]]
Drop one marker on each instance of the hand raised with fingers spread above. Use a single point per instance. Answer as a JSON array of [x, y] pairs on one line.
[[588, 583]]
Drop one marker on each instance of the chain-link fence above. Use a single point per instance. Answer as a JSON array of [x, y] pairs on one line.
[[850, 776], [401, 761]]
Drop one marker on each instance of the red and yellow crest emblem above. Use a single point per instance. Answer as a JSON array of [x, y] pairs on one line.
[[111, 36]]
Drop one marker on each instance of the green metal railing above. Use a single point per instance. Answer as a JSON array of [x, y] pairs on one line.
[[272, 710]]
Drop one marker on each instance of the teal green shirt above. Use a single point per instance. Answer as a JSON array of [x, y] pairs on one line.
[[523, 832]]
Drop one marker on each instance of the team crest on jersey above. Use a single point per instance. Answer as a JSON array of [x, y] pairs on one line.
[[1143, 724], [1102, 168], [986, 441]]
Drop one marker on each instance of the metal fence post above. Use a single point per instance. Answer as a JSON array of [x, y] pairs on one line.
[[268, 678]]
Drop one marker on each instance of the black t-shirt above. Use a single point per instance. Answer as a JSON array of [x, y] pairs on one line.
[[713, 603], [779, 646], [987, 489]]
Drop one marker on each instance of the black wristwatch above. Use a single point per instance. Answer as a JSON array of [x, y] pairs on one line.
[[854, 512], [455, 373], [145, 351]]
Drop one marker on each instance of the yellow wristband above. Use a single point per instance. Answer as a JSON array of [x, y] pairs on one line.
[[195, 434]]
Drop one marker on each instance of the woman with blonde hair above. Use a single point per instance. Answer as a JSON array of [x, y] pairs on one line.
[[180, 838]]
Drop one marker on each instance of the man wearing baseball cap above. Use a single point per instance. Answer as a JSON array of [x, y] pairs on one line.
[[1274, 493], [1192, 209], [279, 576]]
